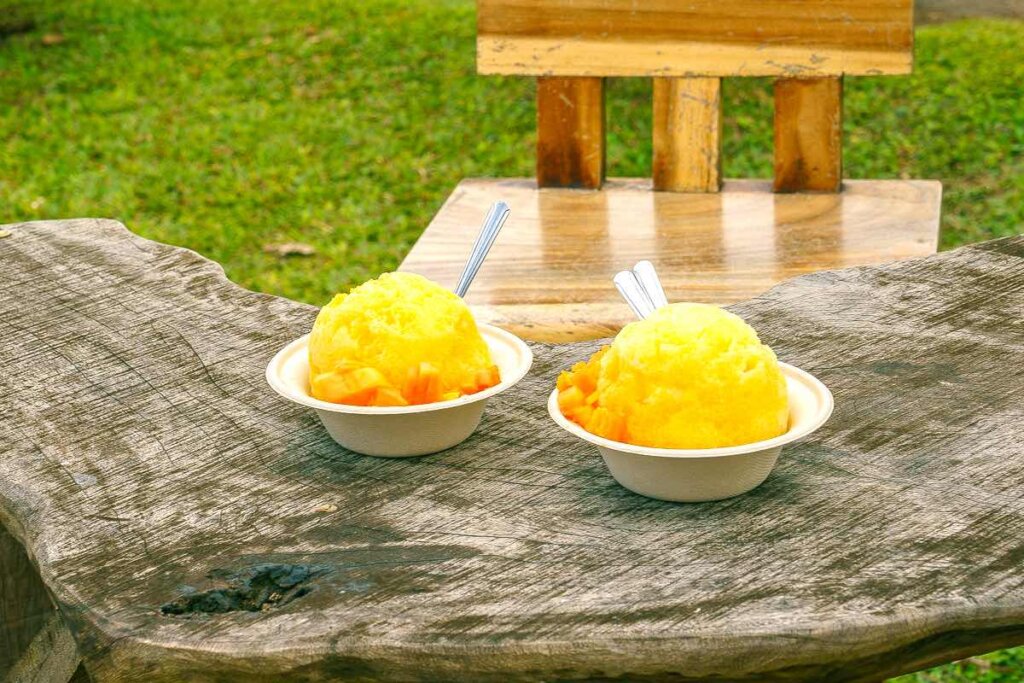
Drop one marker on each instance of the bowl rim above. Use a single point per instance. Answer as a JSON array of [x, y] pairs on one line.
[[826, 403], [489, 332]]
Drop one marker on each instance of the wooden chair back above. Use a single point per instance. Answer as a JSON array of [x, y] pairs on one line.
[[688, 48]]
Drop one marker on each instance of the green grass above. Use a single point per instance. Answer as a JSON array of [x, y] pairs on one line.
[[227, 125], [1005, 666]]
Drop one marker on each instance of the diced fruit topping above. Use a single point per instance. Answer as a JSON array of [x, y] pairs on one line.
[[368, 387]]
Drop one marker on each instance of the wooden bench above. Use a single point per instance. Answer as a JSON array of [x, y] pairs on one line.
[[192, 526], [717, 241]]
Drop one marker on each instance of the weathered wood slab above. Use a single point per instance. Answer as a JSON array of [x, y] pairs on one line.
[[192, 526]]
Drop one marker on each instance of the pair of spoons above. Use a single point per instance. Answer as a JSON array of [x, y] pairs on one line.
[[640, 287]]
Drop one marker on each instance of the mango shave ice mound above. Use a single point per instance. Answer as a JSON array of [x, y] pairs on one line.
[[395, 341], [688, 376]]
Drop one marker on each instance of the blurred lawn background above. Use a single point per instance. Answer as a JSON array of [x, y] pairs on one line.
[[230, 125]]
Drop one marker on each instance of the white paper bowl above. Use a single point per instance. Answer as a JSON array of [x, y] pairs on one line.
[[696, 475], [400, 431]]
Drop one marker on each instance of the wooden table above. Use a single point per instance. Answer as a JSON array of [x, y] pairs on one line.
[[189, 525]]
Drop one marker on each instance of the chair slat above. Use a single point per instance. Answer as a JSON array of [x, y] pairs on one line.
[[570, 132], [687, 134], [694, 38], [808, 135]]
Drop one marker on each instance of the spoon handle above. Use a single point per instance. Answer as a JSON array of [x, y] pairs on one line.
[[488, 232], [631, 290], [649, 282]]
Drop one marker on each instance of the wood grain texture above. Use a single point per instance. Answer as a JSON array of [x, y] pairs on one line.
[[696, 38], [570, 132], [563, 247], [148, 466], [687, 149], [808, 135]]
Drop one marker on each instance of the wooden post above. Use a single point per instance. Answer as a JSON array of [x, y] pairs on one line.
[[570, 132], [687, 134], [808, 134], [24, 604]]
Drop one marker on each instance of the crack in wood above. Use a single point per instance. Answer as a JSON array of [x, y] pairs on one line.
[[253, 589]]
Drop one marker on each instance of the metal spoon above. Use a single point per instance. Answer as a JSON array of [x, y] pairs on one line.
[[633, 292], [641, 289], [488, 232], [649, 282]]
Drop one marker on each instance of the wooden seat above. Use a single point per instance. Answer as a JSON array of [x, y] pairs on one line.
[[549, 274]]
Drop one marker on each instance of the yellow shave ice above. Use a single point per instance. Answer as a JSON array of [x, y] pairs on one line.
[[688, 376], [397, 340]]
